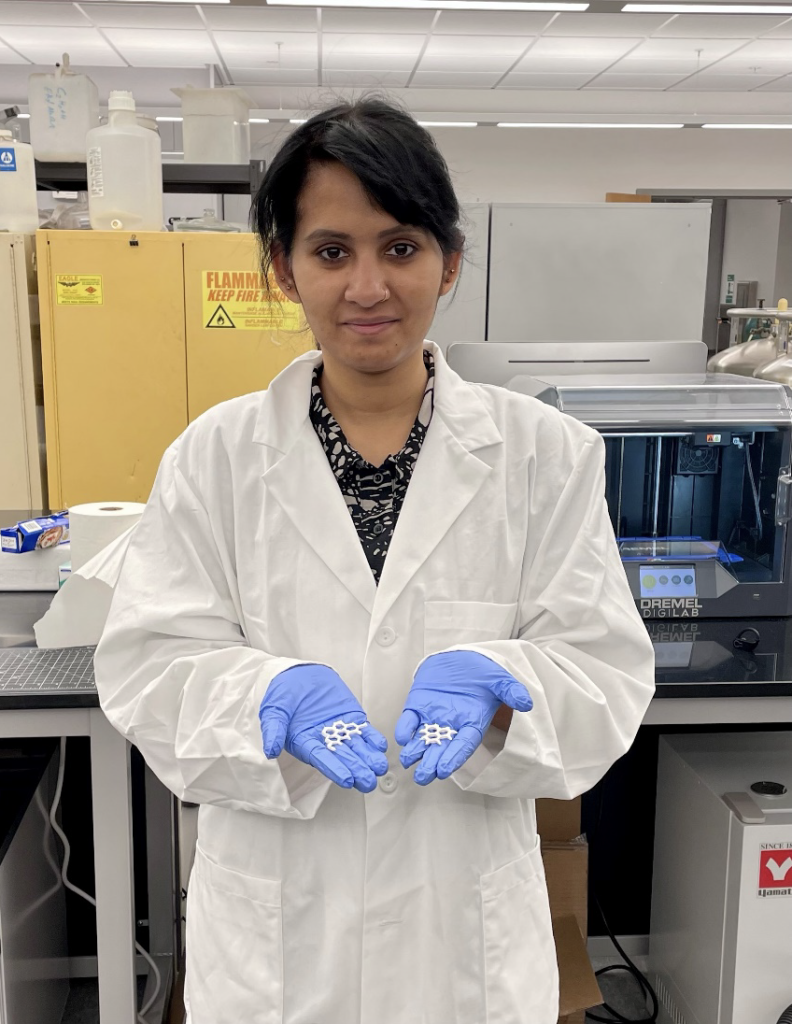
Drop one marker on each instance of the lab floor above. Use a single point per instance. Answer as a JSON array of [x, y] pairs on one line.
[[618, 988], [82, 1006]]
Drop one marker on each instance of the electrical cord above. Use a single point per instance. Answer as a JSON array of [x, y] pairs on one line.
[[615, 1016], [79, 892]]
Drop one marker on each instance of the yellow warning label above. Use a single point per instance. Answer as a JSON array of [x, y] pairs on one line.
[[78, 289], [239, 299]]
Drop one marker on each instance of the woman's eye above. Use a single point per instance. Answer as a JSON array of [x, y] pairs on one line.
[[331, 254], [402, 249]]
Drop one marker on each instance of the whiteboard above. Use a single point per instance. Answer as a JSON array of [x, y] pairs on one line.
[[461, 315], [598, 271]]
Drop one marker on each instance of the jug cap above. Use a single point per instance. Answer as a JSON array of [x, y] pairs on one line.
[[121, 100]]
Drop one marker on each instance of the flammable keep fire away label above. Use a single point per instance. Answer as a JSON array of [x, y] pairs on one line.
[[239, 300]]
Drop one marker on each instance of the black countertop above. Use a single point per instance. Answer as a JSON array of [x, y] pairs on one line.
[[695, 657]]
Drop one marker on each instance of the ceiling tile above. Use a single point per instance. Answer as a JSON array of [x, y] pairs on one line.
[[636, 82], [766, 49], [609, 25], [46, 45], [778, 85], [450, 80], [711, 49], [366, 79], [354, 62], [784, 30], [260, 19], [163, 48], [721, 83], [299, 50], [580, 48], [522, 80], [368, 44], [573, 55], [765, 68], [466, 62], [454, 46], [267, 76], [8, 56], [25, 12], [484, 23], [715, 26], [587, 66], [338, 19], [128, 15], [679, 67]]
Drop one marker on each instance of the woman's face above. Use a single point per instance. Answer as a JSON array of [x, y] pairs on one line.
[[369, 285]]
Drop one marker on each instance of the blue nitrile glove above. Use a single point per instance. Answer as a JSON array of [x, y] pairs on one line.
[[304, 700], [461, 691]]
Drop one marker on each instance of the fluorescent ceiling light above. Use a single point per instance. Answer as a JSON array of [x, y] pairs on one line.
[[448, 124], [258, 120], [23, 115], [297, 120], [434, 5], [738, 126], [168, 118], [707, 9], [181, 1], [580, 124]]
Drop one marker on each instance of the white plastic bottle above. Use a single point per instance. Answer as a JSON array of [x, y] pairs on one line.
[[124, 171], [18, 206], [64, 106]]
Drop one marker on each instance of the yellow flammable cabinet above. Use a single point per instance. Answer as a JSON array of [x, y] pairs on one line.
[[140, 334]]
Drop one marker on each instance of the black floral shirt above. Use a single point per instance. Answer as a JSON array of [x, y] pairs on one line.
[[374, 494]]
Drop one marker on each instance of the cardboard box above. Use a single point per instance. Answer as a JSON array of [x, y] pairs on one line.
[[578, 986], [558, 821], [566, 870]]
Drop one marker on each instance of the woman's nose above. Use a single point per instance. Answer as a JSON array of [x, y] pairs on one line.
[[366, 285]]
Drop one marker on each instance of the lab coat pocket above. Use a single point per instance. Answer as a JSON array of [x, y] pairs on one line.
[[448, 623], [519, 950], [234, 946]]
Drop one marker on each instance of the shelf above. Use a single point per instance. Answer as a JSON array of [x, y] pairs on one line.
[[225, 179]]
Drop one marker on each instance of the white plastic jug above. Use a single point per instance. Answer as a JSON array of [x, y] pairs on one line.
[[124, 171], [215, 125], [63, 107], [18, 206]]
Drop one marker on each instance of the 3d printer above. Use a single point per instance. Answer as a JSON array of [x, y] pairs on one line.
[[698, 485]]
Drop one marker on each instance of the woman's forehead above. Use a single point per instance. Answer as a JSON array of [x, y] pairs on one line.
[[334, 203]]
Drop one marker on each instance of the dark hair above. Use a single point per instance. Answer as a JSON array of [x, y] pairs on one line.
[[396, 160]]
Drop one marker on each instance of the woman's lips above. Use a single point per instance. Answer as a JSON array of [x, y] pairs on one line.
[[370, 328]]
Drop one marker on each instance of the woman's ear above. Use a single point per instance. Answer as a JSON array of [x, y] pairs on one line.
[[283, 275], [451, 267]]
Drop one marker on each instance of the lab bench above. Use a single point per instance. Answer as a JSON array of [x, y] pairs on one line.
[[701, 680]]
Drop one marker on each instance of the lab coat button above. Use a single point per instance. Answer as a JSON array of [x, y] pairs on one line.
[[388, 782], [386, 636]]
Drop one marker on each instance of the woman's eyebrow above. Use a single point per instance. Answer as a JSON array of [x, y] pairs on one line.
[[343, 236]]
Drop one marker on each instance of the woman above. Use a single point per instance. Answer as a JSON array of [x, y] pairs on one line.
[[336, 586]]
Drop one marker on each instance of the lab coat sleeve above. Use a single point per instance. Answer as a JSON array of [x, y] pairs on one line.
[[175, 673], [582, 651]]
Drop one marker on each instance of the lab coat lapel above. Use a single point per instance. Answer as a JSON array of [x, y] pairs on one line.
[[302, 482], [447, 476]]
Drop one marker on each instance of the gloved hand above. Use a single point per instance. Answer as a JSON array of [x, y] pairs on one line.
[[311, 712], [459, 690]]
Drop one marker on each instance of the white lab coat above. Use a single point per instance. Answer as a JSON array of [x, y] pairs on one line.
[[310, 904]]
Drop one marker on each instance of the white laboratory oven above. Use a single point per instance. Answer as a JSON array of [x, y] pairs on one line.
[[721, 933]]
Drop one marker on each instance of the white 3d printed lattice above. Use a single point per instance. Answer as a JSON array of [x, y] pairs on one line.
[[335, 734], [434, 733]]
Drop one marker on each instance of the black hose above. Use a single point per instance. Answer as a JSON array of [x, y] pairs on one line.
[[786, 1016]]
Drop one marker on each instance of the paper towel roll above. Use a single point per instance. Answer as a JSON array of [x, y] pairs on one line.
[[93, 526]]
